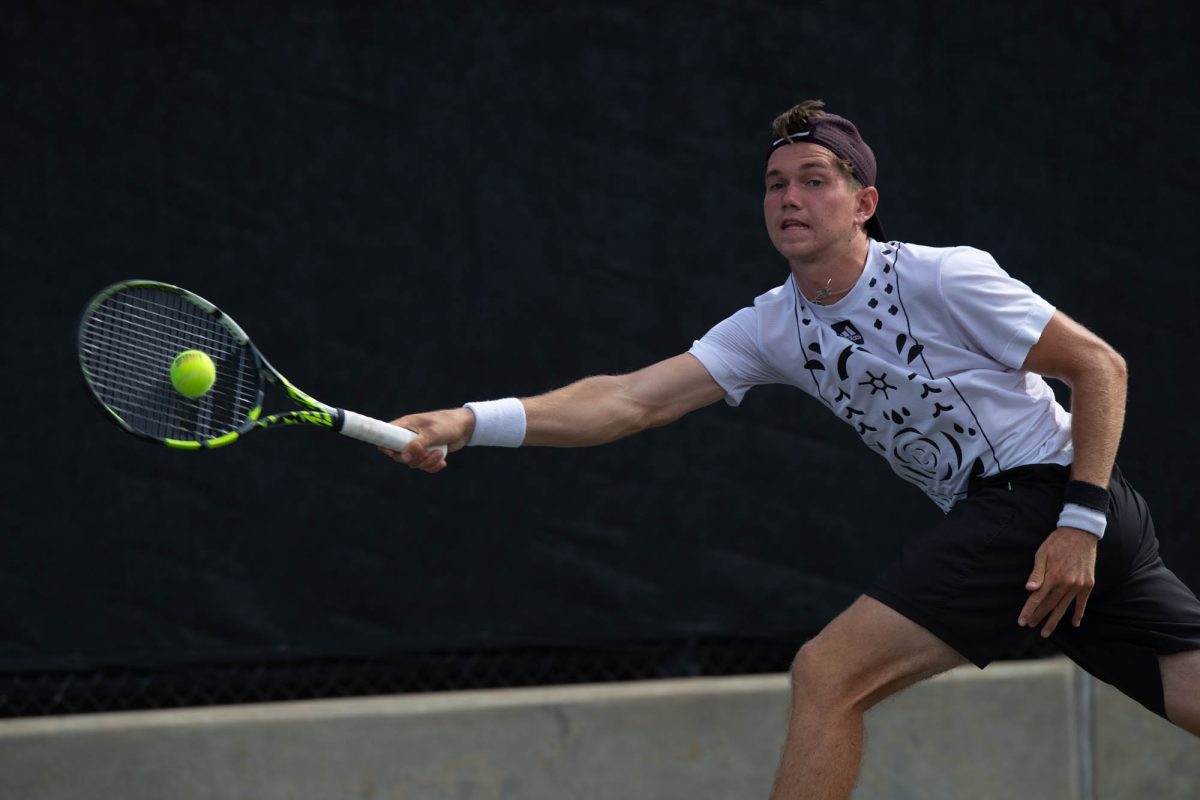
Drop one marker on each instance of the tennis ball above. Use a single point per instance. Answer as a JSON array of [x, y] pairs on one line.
[[193, 373]]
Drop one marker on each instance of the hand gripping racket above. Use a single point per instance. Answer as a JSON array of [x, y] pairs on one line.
[[131, 334]]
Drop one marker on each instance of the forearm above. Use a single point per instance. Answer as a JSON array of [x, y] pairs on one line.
[[589, 412], [606, 408], [1097, 417]]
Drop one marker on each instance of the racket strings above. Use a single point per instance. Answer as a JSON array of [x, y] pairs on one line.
[[127, 345]]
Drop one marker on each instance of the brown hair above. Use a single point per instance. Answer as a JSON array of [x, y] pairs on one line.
[[798, 119]]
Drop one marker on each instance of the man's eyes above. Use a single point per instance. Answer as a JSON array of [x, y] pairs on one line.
[[813, 182]]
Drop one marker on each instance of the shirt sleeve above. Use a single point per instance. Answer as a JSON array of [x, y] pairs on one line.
[[731, 354], [996, 313]]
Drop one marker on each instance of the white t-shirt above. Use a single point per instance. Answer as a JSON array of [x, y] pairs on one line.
[[922, 357]]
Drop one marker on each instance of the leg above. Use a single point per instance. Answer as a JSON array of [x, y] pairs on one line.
[[1181, 689], [866, 654], [1139, 610]]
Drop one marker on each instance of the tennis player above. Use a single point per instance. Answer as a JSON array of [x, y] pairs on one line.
[[937, 358]]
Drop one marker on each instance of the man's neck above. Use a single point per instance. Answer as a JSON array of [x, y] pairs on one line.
[[826, 279]]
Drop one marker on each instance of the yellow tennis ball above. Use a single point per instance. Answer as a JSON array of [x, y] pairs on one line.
[[193, 373]]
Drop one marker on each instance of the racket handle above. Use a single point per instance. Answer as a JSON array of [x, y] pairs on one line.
[[377, 432]]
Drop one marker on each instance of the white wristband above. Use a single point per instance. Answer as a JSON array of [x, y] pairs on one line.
[[1083, 518], [498, 423]]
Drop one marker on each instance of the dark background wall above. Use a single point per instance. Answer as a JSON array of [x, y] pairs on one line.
[[414, 205]]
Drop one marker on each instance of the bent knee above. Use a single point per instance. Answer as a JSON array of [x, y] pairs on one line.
[[818, 677], [810, 664], [825, 676]]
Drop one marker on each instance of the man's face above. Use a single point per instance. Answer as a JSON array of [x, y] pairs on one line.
[[808, 204]]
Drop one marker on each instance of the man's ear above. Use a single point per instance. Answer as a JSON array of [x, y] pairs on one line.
[[868, 201]]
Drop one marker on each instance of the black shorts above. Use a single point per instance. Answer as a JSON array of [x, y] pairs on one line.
[[964, 581]]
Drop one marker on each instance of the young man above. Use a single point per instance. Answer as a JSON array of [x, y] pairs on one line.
[[936, 358]]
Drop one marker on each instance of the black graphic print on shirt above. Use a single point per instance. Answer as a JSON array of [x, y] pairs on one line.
[[880, 383]]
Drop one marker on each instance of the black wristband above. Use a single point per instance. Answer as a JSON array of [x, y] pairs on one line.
[[1085, 494]]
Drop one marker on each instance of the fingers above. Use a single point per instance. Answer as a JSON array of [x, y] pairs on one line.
[[437, 432], [1050, 606], [1029, 614], [1039, 571], [1080, 604], [417, 456], [1057, 615], [1064, 572], [1038, 606], [1060, 605]]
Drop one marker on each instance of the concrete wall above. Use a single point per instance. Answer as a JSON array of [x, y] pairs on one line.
[[1030, 730]]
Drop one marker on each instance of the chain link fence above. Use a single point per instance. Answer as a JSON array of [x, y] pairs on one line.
[[44, 693], [50, 693]]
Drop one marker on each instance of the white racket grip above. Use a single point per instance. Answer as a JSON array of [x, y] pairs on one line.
[[376, 432]]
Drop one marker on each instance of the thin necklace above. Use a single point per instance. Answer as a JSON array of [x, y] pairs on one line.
[[824, 292]]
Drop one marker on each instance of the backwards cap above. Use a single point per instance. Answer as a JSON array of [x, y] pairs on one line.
[[839, 135]]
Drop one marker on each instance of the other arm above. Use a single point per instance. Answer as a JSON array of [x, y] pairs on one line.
[[1096, 374], [1064, 567]]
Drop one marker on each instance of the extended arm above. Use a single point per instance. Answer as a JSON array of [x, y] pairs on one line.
[[605, 408], [588, 412], [1064, 567]]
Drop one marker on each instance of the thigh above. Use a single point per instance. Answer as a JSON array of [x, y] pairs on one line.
[[1128, 630], [1139, 612], [1181, 689], [872, 651], [964, 578]]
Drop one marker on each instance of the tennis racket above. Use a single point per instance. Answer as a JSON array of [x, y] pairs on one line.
[[129, 337]]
